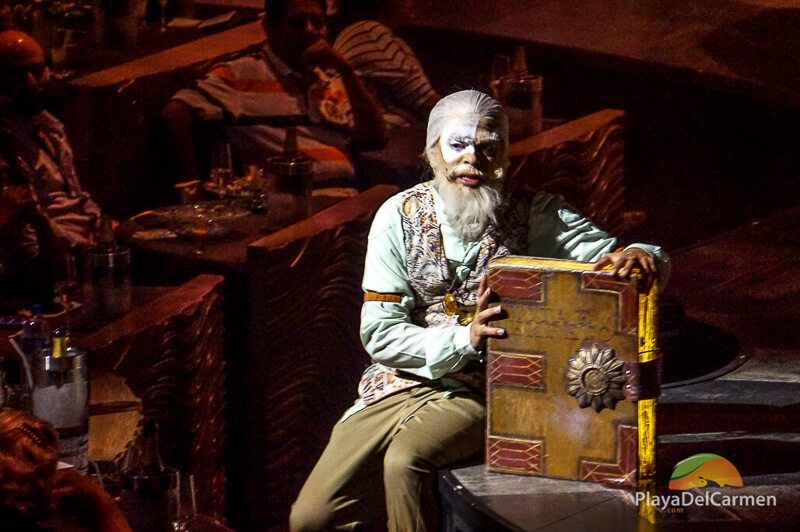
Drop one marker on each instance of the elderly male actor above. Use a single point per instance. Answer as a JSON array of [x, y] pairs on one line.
[[295, 78], [425, 320]]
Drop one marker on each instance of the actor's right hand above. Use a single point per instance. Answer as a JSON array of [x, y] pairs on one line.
[[479, 331]]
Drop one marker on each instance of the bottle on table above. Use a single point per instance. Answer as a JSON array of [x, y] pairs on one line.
[[61, 397], [293, 173], [519, 62]]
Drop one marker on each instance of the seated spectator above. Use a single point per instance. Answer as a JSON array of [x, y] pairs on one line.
[[34, 496], [43, 209], [294, 78], [33, 142], [384, 62]]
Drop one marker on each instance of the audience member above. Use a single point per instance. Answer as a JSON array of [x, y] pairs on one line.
[[294, 78], [33, 141], [43, 209], [34, 496], [386, 64]]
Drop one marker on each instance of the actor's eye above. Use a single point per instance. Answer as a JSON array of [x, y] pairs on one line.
[[488, 149], [457, 145]]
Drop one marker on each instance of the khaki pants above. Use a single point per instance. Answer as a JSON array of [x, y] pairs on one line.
[[390, 451]]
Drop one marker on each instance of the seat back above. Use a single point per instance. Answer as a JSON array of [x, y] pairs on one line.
[[304, 356], [169, 350], [583, 160]]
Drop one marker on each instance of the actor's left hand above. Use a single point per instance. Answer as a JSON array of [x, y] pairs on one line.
[[623, 262]]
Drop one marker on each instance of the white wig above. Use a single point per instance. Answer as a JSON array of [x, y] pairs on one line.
[[466, 105]]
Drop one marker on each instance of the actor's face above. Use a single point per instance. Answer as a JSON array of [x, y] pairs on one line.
[[472, 153], [302, 25]]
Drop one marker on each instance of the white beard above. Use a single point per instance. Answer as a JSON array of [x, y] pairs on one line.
[[469, 210]]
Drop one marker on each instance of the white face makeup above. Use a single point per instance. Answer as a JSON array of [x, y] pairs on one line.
[[471, 152], [457, 137]]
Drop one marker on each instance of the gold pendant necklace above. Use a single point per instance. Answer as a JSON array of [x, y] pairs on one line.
[[449, 300]]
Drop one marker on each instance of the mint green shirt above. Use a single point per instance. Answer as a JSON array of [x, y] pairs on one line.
[[388, 334]]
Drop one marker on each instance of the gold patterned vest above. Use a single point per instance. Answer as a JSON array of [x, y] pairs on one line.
[[430, 277]]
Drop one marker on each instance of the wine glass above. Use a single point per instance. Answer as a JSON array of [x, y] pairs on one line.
[[58, 54], [67, 288], [163, 15], [221, 167], [182, 507], [200, 231]]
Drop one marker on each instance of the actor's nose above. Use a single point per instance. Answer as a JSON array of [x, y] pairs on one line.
[[468, 155]]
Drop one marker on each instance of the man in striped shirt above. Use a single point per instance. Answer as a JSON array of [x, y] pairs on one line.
[[383, 61], [389, 68], [294, 78]]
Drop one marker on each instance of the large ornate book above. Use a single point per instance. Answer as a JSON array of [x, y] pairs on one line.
[[573, 384]]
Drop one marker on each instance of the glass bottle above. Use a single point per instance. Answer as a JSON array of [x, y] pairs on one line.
[[519, 64], [61, 397], [294, 178]]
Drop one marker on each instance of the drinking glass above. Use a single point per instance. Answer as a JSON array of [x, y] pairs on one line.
[[182, 504], [66, 285], [221, 167], [58, 54], [163, 15], [199, 232], [521, 97]]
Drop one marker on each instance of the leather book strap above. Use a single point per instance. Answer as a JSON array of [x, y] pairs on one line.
[[643, 379]]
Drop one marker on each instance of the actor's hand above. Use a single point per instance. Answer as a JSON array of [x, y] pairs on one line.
[[623, 262], [478, 330]]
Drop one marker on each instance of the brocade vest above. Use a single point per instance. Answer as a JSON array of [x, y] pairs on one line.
[[430, 278]]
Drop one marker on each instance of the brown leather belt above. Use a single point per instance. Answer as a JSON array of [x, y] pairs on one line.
[[386, 298]]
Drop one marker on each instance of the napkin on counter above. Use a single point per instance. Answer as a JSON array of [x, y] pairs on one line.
[[181, 22], [154, 234]]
